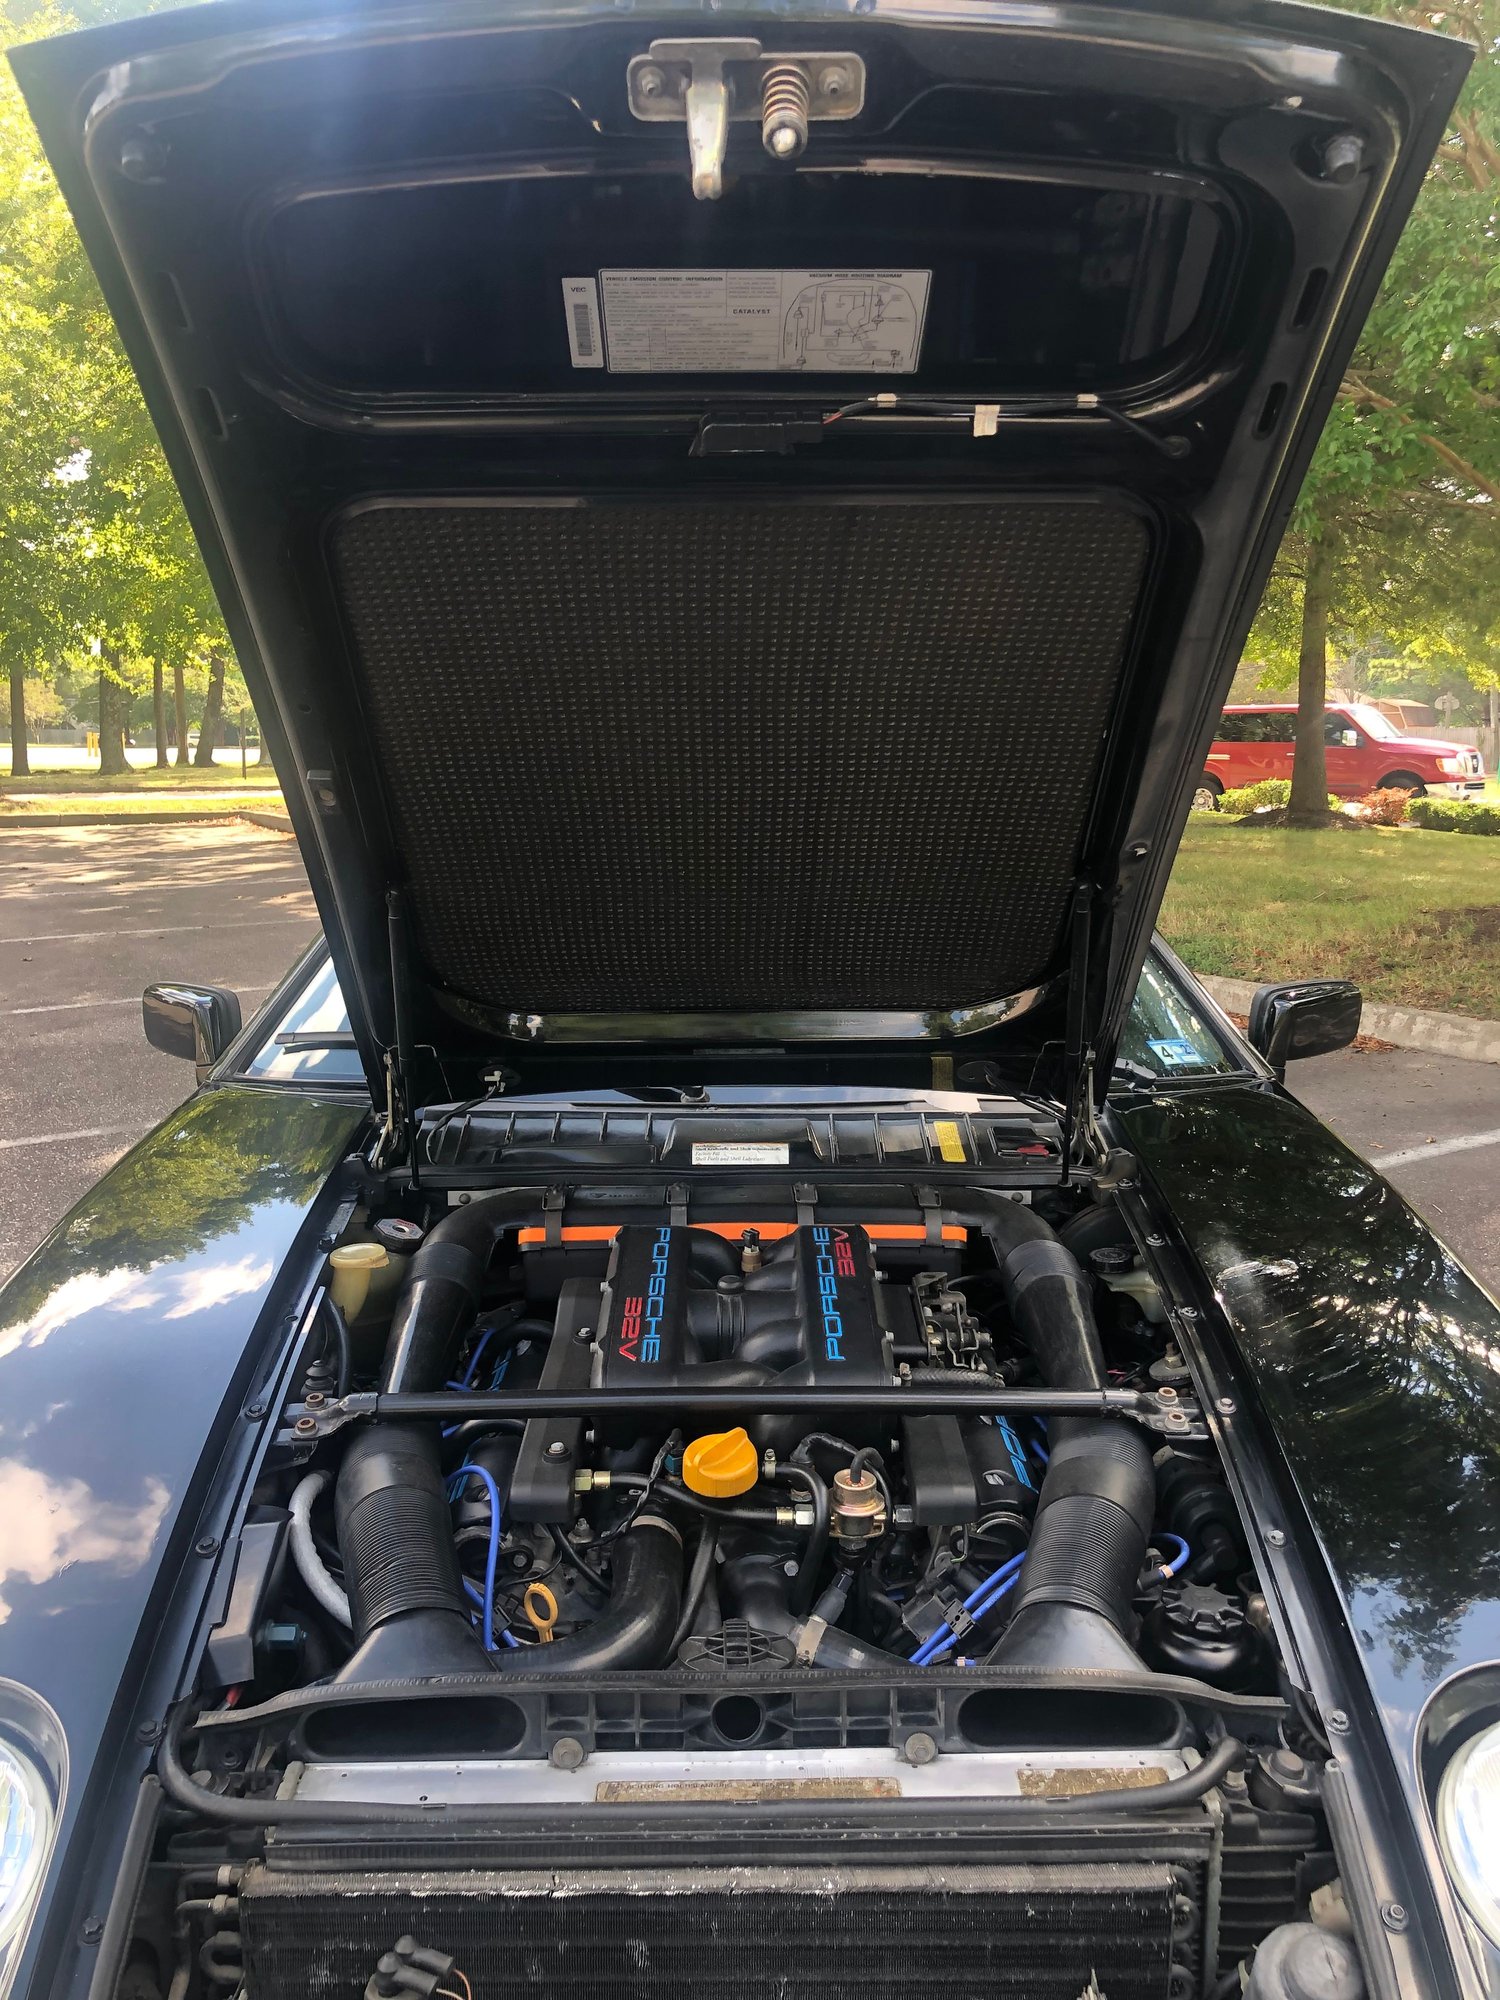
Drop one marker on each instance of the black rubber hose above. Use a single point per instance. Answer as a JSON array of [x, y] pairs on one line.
[[1049, 1298], [816, 1547], [406, 1594], [636, 1626], [1072, 1601], [697, 1583], [343, 1346], [441, 1288], [699, 1503], [177, 1783]]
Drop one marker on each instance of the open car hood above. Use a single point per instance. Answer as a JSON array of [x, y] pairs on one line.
[[791, 620]]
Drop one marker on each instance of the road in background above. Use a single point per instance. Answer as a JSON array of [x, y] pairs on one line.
[[1432, 1125], [88, 917]]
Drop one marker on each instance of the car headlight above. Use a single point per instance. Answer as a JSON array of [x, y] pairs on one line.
[[26, 1826], [33, 1781], [1452, 765], [1468, 1827]]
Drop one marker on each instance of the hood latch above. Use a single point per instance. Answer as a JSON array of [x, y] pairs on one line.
[[710, 83]]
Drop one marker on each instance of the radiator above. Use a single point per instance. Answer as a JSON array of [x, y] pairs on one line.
[[864, 1925]]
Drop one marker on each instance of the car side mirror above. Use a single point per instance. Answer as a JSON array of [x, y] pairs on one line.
[[1310, 1017], [195, 1022], [1349, 738]]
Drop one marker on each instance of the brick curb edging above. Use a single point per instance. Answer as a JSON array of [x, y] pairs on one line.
[[1407, 1027]]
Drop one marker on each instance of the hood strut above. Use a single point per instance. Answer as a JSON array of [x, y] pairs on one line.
[[1082, 1140], [400, 1130]]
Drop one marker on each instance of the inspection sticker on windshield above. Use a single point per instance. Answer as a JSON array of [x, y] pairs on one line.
[[1177, 1053], [747, 322], [740, 1153]]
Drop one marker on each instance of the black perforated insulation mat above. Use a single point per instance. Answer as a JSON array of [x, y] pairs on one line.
[[738, 755], [1035, 1932]]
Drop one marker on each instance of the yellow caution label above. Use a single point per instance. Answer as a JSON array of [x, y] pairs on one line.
[[950, 1141]]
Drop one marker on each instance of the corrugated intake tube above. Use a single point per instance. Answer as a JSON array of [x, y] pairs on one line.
[[1093, 1516]]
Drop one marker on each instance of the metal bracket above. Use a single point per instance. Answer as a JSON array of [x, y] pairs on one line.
[[709, 84]]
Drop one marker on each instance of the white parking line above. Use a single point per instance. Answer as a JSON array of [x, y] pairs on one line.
[[126, 1000], [156, 930], [1470, 1143], [57, 1138]]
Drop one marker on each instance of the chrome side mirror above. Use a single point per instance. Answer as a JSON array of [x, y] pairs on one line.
[[195, 1022], [1310, 1017]]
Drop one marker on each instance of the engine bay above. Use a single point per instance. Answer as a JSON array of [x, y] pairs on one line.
[[801, 1559]]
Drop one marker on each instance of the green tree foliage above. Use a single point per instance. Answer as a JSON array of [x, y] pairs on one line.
[[1395, 532], [101, 586]]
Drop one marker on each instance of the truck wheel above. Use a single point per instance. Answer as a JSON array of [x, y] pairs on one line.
[[1206, 794], [1403, 781]]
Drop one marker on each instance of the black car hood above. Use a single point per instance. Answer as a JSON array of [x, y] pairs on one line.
[[789, 619]]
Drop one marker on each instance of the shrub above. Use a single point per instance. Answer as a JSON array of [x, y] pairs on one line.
[[1453, 816], [1265, 793], [1386, 807], [1251, 798]]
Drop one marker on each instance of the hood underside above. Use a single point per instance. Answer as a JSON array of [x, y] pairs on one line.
[[795, 616]]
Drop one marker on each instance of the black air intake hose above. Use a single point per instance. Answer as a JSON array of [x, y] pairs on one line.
[[636, 1626], [1093, 1517], [440, 1290], [406, 1597]]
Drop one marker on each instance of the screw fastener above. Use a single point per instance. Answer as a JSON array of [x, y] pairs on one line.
[[91, 1930], [305, 1426], [1338, 1721], [147, 1732], [1393, 1916], [1275, 1538], [254, 1410], [1225, 1406], [208, 1545]]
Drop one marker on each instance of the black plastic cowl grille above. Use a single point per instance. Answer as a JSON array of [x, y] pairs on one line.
[[738, 755]]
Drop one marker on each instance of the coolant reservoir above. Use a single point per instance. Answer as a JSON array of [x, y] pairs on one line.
[[1119, 1269], [355, 1270]]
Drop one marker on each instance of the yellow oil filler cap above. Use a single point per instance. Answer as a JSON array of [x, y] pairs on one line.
[[720, 1465]]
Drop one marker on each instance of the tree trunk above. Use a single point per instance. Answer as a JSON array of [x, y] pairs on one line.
[[159, 715], [179, 704], [113, 762], [1309, 800], [20, 763], [213, 714]]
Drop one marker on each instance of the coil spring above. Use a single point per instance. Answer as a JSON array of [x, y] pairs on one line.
[[785, 96]]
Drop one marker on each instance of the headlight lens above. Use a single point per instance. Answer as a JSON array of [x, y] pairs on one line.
[[25, 1840], [1468, 1824], [1452, 765]]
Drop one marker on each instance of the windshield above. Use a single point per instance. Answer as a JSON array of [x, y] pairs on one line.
[[318, 1010], [1373, 723], [1166, 1036]]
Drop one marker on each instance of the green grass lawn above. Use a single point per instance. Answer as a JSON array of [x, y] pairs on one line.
[[218, 806], [1413, 916], [82, 778]]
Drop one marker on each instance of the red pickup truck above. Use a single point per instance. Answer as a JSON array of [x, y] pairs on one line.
[[1365, 753]]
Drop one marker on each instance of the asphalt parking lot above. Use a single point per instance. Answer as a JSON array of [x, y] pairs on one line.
[[90, 915]]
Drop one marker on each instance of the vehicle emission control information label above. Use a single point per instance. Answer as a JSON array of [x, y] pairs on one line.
[[740, 1153], [747, 322]]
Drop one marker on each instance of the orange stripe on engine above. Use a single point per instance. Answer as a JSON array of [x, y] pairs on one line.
[[770, 1232]]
